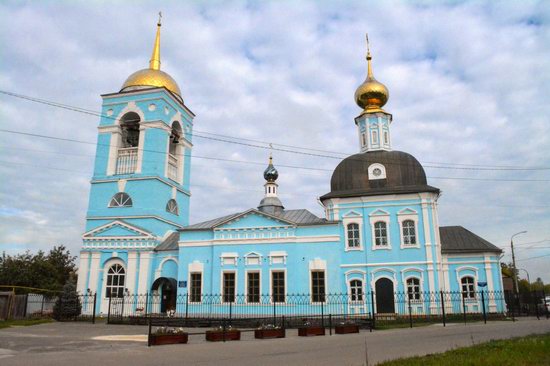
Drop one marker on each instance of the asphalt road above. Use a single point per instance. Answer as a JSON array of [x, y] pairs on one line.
[[78, 344]]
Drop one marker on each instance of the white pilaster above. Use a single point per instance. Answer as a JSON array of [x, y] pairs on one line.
[[113, 151], [94, 273], [490, 284], [132, 271], [144, 265], [83, 272]]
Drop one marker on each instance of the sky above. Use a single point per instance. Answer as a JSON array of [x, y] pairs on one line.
[[469, 87]]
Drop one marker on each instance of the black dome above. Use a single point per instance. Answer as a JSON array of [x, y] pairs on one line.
[[404, 174]]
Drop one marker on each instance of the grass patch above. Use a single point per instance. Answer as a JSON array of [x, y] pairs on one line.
[[23, 322], [526, 351]]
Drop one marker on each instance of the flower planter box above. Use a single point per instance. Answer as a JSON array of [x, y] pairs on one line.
[[311, 331], [269, 333], [218, 335], [346, 329], [160, 339]]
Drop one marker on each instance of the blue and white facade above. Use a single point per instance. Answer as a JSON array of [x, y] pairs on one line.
[[380, 231]]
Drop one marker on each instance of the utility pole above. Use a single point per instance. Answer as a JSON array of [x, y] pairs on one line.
[[516, 286]]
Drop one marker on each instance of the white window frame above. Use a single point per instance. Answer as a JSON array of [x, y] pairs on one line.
[[222, 287], [383, 216], [106, 268], [121, 203], [224, 259], [474, 286], [190, 283], [277, 254], [374, 166], [355, 219], [259, 272], [252, 255], [350, 287], [271, 284], [412, 277], [404, 215]]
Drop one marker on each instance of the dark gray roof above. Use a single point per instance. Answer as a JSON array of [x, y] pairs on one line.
[[300, 217], [404, 174], [170, 243], [456, 239]]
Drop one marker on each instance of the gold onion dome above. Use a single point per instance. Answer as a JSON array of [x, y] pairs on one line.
[[371, 95], [153, 76]]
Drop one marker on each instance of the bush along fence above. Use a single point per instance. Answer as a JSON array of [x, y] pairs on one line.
[[365, 309]]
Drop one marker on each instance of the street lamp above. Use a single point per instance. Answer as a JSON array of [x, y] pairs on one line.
[[528, 279], [516, 287]]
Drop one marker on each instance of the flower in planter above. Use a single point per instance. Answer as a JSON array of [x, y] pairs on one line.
[[269, 326], [171, 313]]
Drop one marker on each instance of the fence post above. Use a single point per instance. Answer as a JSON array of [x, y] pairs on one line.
[[94, 308], [443, 307], [372, 309], [330, 323], [186, 306], [149, 334], [545, 304], [464, 307], [410, 314], [323, 314], [109, 312], [122, 307], [483, 305], [230, 316], [283, 325], [146, 303], [26, 304], [274, 313], [536, 305], [513, 306], [42, 307]]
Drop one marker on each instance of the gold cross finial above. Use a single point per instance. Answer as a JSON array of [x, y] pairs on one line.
[[368, 46], [160, 18]]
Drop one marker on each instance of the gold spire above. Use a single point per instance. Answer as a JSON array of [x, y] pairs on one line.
[[371, 95], [152, 76], [154, 64]]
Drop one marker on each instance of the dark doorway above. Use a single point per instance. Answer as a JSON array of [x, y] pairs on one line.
[[385, 302], [167, 289]]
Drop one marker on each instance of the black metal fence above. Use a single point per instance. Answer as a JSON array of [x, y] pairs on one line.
[[294, 309]]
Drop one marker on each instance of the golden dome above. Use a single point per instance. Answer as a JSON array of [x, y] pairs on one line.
[[371, 95], [153, 76]]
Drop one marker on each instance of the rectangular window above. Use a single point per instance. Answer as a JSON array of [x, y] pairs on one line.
[[374, 137], [353, 235], [229, 287], [253, 287], [195, 289], [318, 286], [278, 286]]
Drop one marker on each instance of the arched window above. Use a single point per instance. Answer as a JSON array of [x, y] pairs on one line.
[[172, 207], [129, 124], [174, 156], [121, 199], [468, 287], [356, 289], [380, 233], [409, 233], [115, 281], [353, 235], [413, 288]]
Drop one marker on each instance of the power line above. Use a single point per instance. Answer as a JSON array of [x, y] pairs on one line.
[[538, 256], [256, 163], [269, 146]]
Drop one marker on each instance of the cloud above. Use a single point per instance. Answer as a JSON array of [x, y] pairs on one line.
[[468, 85]]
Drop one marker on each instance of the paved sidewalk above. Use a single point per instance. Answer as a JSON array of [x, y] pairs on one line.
[[78, 344]]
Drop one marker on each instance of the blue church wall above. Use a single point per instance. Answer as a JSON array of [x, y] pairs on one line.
[[102, 154]]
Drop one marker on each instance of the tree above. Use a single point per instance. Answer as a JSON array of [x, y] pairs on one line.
[[67, 305], [46, 271]]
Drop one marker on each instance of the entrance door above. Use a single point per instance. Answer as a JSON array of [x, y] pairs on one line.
[[385, 302], [168, 299]]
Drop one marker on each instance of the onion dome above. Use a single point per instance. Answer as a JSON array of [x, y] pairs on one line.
[[270, 173], [371, 95], [378, 173], [153, 76]]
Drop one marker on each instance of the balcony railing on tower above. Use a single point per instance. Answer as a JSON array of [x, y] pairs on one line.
[[172, 167], [126, 162]]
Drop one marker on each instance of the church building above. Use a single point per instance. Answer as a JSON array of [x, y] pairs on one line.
[[380, 231]]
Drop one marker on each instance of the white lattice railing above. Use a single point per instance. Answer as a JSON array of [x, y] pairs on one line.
[[126, 162], [172, 167]]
